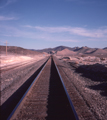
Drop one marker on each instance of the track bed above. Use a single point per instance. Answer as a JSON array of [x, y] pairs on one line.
[[46, 99]]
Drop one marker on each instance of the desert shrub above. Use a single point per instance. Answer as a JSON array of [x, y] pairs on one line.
[[83, 55], [102, 58]]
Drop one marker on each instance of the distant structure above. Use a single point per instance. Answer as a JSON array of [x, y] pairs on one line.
[[6, 47]]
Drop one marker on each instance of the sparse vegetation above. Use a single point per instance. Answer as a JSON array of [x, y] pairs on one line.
[[102, 58]]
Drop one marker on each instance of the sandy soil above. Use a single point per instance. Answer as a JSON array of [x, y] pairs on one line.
[[14, 59]]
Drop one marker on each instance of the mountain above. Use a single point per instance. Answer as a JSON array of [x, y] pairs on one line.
[[18, 50], [60, 50], [100, 52], [92, 51], [105, 48], [47, 50], [65, 52], [54, 50], [85, 50]]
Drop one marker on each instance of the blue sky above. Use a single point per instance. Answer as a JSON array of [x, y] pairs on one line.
[[37, 24]]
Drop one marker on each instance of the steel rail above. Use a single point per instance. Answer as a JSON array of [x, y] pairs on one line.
[[69, 99], [30, 87], [12, 113]]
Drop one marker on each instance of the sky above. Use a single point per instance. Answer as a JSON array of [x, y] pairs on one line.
[[38, 24]]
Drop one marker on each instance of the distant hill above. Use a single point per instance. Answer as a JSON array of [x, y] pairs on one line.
[[60, 48], [77, 50], [18, 50], [100, 52], [105, 48], [45, 53], [58, 51], [66, 52], [47, 50], [85, 50], [50, 50], [92, 51]]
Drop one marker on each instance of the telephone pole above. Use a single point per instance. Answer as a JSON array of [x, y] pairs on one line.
[[6, 47]]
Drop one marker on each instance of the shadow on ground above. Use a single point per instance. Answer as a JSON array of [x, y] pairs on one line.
[[102, 87], [97, 73], [58, 107]]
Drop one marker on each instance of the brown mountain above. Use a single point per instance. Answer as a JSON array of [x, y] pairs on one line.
[[54, 50], [100, 52], [85, 50], [65, 52], [92, 51], [18, 50]]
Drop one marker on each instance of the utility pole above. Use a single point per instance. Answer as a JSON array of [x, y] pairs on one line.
[[6, 47]]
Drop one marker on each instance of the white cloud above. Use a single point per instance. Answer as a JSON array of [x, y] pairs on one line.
[[8, 2], [92, 33], [61, 34], [9, 31], [66, 40], [7, 18]]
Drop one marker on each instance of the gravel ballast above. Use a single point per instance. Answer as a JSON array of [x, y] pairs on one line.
[[88, 95], [11, 80]]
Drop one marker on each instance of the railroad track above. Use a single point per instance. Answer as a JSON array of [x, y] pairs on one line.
[[46, 98]]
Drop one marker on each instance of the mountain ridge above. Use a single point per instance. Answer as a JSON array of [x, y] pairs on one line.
[[74, 50], [18, 50]]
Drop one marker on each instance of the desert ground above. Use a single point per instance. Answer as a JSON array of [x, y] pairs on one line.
[[16, 68], [85, 68], [15, 59], [88, 74]]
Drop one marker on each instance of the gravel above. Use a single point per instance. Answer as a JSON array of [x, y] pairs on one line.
[[89, 87], [11, 80], [91, 91]]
